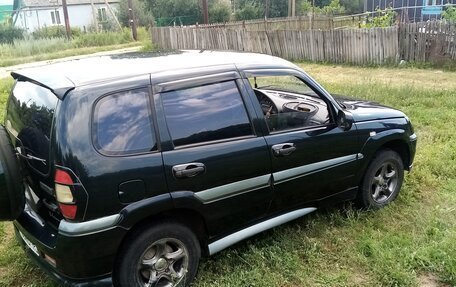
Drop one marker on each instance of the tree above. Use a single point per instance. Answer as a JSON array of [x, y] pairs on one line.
[[174, 8], [142, 14], [219, 11], [249, 10], [333, 8], [449, 13]]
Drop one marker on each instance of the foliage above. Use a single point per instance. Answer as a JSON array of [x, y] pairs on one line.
[[45, 48], [9, 33], [383, 18], [333, 8], [449, 13], [54, 32], [102, 39], [248, 10], [142, 14], [174, 8], [219, 11]]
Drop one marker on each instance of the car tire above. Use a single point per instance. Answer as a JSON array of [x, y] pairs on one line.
[[12, 196], [382, 181], [161, 253]]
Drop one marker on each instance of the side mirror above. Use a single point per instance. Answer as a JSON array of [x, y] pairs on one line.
[[344, 120]]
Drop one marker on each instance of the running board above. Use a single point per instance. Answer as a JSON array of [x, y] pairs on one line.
[[234, 238]]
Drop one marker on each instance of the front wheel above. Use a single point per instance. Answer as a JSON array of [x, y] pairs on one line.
[[382, 180], [165, 254]]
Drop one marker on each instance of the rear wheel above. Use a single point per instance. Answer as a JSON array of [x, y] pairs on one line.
[[382, 180], [166, 254], [12, 197]]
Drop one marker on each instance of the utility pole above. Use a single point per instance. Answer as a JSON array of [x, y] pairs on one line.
[[205, 12], [132, 20], [67, 20], [266, 9], [291, 8]]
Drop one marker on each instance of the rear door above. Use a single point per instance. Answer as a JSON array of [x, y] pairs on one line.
[[212, 152], [29, 122]]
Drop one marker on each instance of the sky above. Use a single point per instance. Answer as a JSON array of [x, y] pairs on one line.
[[6, 2]]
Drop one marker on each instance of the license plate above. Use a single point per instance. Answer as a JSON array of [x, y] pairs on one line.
[[30, 244]]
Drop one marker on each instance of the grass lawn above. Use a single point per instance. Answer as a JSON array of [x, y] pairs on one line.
[[410, 243]]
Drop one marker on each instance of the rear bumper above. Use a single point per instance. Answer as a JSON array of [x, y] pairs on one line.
[[71, 254]]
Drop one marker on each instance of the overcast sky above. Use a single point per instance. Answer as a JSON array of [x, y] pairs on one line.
[[6, 2]]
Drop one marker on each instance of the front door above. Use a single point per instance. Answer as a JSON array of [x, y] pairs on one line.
[[311, 157]]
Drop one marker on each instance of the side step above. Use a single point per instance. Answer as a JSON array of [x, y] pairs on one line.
[[234, 238]]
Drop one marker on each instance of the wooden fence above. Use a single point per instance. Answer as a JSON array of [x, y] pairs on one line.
[[425, 42], [292, 23]]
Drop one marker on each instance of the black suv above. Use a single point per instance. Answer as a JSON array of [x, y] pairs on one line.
[[127, 169]]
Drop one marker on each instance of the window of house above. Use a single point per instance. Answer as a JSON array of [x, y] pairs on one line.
[[102, 14], [55, 17], [123, 124], [288, 103], [206, 113]]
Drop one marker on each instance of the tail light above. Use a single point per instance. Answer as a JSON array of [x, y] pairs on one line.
[[64, 187]]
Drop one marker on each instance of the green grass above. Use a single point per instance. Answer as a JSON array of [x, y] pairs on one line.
[[25, 51], [409, 243]]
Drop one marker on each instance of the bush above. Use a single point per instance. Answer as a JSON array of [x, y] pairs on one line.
[[449, 13], [10, 33], [54, 32], [219, 12], [102, 39], [384, 18]]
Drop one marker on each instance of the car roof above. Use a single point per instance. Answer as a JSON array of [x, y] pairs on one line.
[[64, 76]]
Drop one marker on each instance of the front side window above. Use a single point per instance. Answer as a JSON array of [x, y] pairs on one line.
[[289, 103], [123, 124], [206, 113]]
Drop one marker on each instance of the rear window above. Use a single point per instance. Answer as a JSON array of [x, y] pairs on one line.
[[29, 115], [123, 124]]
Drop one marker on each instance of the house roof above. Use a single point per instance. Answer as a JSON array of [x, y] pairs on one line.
[[53, 3]]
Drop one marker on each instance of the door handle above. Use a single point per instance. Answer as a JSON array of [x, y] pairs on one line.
[[283, 149], [187, 170]]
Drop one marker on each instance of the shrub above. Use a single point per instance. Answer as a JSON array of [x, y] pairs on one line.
[[10, 33], [103, 38], [384, 18], [54, 32], [449, 13]]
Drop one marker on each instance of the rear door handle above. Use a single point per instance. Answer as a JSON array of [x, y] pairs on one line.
[[283, 149], [187, 170]]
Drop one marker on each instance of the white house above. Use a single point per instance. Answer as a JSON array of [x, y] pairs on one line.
[[31, 15]]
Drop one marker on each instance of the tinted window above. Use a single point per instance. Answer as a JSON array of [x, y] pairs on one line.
[[29, 118], [206, 113], [123, 124]]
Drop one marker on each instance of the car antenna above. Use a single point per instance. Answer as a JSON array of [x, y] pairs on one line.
[[256, 85]]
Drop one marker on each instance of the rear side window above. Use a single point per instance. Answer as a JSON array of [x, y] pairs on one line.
[[123, 124], [29, 117], [206, 113]]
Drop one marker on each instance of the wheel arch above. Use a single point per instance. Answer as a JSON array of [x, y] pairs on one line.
[[160, 209]]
